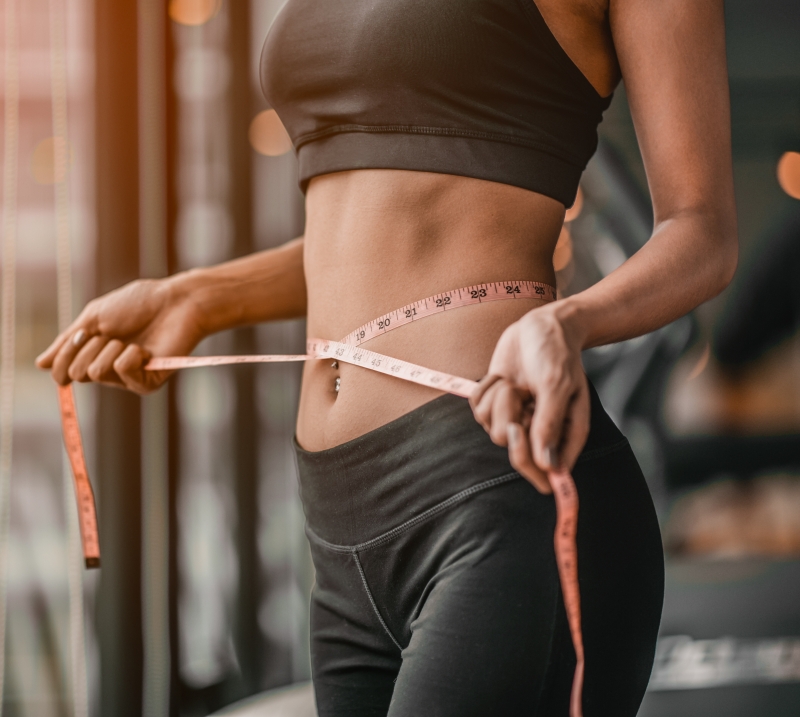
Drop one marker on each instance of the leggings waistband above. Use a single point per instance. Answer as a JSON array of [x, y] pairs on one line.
[[354, 492]]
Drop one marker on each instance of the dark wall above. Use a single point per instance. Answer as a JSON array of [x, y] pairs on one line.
[[119, 622]]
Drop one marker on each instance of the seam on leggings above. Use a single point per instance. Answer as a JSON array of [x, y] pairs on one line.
[[372, 600], [416, 520], [602, 451]]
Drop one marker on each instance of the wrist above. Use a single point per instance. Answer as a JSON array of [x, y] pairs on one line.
[[185, 292], [572, 318]]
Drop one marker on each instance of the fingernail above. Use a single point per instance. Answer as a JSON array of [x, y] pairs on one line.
[[552, 456], [513, 433], [78, 338]]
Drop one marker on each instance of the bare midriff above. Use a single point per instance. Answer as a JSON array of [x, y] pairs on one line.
[[376, 240]]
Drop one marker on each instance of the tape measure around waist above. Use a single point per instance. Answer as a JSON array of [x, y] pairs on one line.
[[338, 351], [349, 350], [457, 298]]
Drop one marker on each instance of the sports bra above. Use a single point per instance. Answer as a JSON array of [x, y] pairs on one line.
[[479, 88]]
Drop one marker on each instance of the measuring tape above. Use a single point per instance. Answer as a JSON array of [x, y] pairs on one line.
[[349, 351], [87, 513]]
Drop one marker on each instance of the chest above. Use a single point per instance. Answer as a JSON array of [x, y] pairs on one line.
[[390, 38]]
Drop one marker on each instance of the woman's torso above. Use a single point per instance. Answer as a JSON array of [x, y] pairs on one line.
[[377, 239]]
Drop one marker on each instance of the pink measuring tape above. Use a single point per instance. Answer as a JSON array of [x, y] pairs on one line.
[[349, 351]]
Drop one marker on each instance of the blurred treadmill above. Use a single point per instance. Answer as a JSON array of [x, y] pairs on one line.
[[730, 641]]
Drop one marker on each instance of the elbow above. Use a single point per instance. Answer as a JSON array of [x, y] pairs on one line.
[[731, 262], [725, 257]]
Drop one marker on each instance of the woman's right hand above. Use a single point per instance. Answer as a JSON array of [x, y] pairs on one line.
[[117, 334]]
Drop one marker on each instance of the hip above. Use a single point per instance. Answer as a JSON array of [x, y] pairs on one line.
[[428, 547], [417, 464], [340, 402]]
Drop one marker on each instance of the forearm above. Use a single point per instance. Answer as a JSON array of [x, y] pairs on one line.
[[266, 286], [689, 259], [673, 60]]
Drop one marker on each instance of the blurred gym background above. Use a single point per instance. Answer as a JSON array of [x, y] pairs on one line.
[[137, 138]]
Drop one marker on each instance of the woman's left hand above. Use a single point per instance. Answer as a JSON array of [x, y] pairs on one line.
[[535, 398]]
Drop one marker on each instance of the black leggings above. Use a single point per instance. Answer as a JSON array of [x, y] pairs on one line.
[[436, 589]]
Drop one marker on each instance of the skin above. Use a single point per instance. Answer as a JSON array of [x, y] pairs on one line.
[[378, 239]]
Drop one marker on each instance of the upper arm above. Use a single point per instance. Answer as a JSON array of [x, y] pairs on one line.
[[672, 57]]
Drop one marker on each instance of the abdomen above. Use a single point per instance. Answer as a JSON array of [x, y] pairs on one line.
[[379, 239]]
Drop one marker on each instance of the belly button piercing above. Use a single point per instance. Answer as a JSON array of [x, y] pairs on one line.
[[337, 384], [335, 364]]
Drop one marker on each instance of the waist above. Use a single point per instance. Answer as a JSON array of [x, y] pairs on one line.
[[340, 401], [425, 460]]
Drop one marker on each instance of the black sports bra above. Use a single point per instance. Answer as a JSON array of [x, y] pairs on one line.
[[479, 88]]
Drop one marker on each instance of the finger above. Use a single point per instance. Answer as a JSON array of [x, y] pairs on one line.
[[480, 390], [129, 366], [576, 427], [102, 368], [45, 359], [80, 364], [483, 409], [519, 454], [548, 424], [528, 409], [63, 359], [506, 409], [86, 322]]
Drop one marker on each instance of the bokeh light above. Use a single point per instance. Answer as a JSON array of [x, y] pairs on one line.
[[575, 209], [268, 135], [789, 173], [193, 12], [562, 256], [43, 161]]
